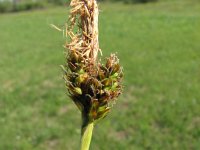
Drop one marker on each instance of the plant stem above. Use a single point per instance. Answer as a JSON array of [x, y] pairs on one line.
[[86, 136]]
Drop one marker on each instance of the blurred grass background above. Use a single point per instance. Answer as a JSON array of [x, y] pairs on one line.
[[158, 46]]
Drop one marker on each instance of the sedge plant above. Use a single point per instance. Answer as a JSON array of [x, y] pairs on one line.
[[92, 85]]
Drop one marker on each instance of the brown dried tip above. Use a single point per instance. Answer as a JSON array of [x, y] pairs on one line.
[[91, 85]]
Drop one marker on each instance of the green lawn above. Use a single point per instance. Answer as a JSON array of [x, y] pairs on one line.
[[159, 47]]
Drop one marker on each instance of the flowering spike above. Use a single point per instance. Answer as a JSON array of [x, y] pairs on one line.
[[92, 86]]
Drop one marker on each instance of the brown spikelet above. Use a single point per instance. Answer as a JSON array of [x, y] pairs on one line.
[[92, 85]]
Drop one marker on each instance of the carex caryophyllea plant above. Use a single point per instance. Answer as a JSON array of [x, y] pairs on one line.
[[91, 85]]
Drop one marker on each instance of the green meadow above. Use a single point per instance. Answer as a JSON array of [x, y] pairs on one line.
[[159, 48]]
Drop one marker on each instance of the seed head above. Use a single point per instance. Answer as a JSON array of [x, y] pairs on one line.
[[92, 85]]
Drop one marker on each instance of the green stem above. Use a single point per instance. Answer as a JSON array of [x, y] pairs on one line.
[[86, 136]]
